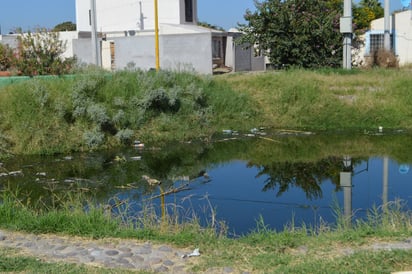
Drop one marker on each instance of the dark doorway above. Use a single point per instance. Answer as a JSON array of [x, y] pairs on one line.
[[189, 10]]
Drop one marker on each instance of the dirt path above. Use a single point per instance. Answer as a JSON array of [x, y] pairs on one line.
[[138, 255]]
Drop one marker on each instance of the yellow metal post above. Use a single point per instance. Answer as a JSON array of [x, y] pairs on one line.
[[163, 205], [157, 34]]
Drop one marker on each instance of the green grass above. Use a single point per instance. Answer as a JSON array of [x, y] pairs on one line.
[[326, 248], [95, 109]]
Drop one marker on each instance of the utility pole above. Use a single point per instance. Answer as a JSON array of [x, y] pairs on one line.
[[95, 39], [156, 11], [141, 16], [387, 26], [346, 29]]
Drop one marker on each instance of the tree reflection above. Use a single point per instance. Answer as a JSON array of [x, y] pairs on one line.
[[307, 176]]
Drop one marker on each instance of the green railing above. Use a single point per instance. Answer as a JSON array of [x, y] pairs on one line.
[[8, 80]]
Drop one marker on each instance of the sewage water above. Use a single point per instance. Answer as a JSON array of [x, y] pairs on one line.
[[276, 180]]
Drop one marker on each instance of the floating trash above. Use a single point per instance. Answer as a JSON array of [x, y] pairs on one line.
[[151, 181], [138, 145], [254, 130], [195, 253], [16, 173], [227, 131], [404, 169], [136, 158]]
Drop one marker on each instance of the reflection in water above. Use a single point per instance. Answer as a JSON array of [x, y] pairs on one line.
[[385, 181], [346, 184], [241, 180]]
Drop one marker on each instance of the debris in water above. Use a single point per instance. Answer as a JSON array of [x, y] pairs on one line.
[[136, 158], [151, 181]]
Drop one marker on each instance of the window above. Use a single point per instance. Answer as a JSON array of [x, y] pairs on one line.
[[377, 42], [189, 10]]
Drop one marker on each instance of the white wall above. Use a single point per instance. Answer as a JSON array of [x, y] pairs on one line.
[[67, 37], [403, 37], [177, 52], [401, 28], [123, 15]]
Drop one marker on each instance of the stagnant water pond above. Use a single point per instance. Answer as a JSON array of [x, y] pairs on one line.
[[282, 178]]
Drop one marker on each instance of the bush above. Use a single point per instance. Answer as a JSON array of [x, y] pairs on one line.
[[125, 136], [94, 138], [7, 58], [384, 59], [40, 53]]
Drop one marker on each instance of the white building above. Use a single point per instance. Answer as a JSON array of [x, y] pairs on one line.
[[135, 15], [127, 30], [401, 36], [127, 38]]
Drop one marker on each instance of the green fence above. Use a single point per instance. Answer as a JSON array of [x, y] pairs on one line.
[[5, 81]]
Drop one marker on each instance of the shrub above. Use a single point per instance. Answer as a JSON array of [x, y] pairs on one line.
[[97, 113], [84, 93], [93, 138], [384, 59], [161, 100], [40, 53], [125, 136], [7, 58]]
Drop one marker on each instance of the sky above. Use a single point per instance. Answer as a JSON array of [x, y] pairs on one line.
[[31, 14]]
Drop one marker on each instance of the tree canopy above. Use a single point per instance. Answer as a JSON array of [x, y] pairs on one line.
[[365, 12], [302, 33], [65, 26], [210, 26]]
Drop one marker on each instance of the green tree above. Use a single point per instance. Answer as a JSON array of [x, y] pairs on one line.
[[210, 26], [40, 53], [365, 12], [296, 33], [65, 26]]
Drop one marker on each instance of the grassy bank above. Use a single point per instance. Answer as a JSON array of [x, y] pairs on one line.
[[98, 110], [325, 249], [330, 99]]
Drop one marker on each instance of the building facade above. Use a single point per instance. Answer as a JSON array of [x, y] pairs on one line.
[[400, 33], [134, 15], [126, 38]]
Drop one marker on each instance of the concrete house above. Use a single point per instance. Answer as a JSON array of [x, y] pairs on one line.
[[126, 34], [400, 33], [126, 29]]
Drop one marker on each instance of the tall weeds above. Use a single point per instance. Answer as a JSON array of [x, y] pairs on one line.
[[95, 109]]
